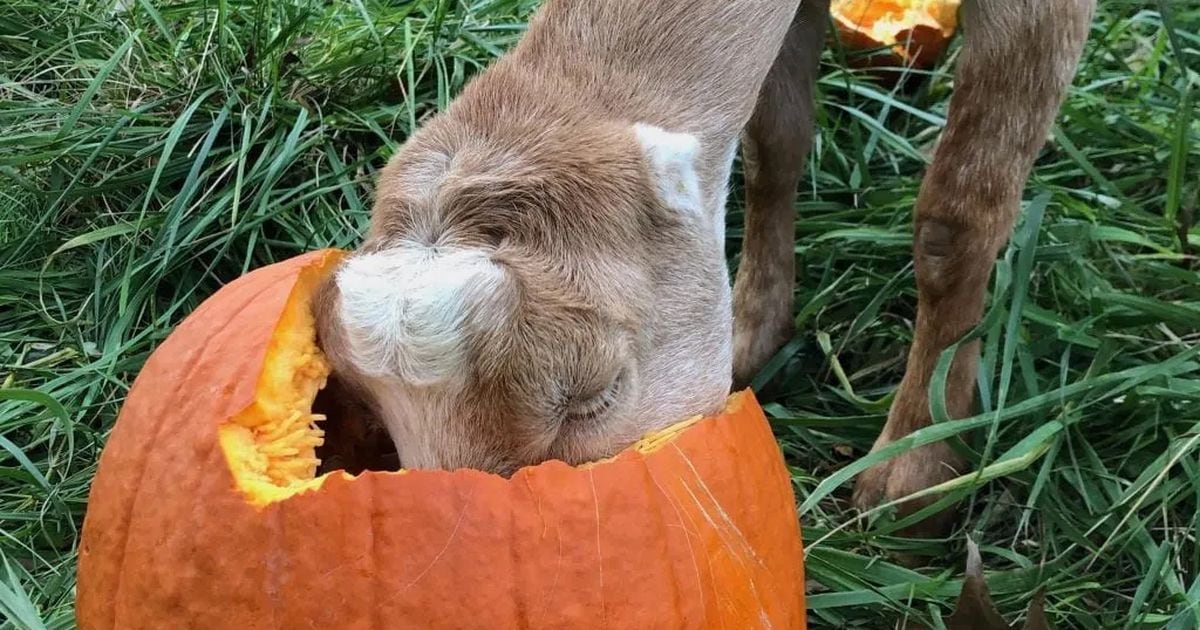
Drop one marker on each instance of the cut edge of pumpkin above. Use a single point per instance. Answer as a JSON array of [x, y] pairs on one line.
[[270, 446]]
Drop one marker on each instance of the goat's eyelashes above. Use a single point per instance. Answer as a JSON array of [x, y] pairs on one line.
[[594, 405]]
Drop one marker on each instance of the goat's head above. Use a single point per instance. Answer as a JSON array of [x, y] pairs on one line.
[[551, 291]]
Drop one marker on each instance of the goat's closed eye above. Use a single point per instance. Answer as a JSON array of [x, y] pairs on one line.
[[594, 404]]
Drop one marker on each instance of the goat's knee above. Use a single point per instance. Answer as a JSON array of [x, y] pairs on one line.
[[951, 255]]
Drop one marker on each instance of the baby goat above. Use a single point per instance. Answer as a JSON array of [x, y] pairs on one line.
[[544, 276]]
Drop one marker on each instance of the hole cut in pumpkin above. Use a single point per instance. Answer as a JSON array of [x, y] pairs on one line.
[[355, 440], [304, 424]]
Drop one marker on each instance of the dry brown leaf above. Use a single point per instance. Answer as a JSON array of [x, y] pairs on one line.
[[975, 609]]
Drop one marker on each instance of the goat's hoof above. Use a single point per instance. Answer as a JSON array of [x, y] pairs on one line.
[[907, 473]]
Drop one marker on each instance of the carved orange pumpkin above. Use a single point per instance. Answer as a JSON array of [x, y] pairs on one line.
[[206, 511], [915, 31]]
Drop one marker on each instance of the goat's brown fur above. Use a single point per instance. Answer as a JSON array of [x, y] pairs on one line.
[[601, 275]]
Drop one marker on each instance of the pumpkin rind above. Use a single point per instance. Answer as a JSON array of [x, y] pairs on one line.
[[699, 532]]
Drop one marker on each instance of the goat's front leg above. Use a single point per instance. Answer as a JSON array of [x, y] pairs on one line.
[[774, 147], [1018, 59]]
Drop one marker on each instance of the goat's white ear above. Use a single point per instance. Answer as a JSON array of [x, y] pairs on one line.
[[672, 158]]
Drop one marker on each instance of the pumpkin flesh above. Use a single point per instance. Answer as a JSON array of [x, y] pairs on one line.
[[914, 31], [271, 445]]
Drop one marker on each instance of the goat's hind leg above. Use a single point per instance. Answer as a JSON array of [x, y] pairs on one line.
[[1018, 59]]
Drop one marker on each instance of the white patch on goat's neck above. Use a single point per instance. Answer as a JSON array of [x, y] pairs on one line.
[[672, 158], [405, 309]]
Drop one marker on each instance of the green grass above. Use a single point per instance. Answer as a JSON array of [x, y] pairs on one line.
[[149, 154]]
